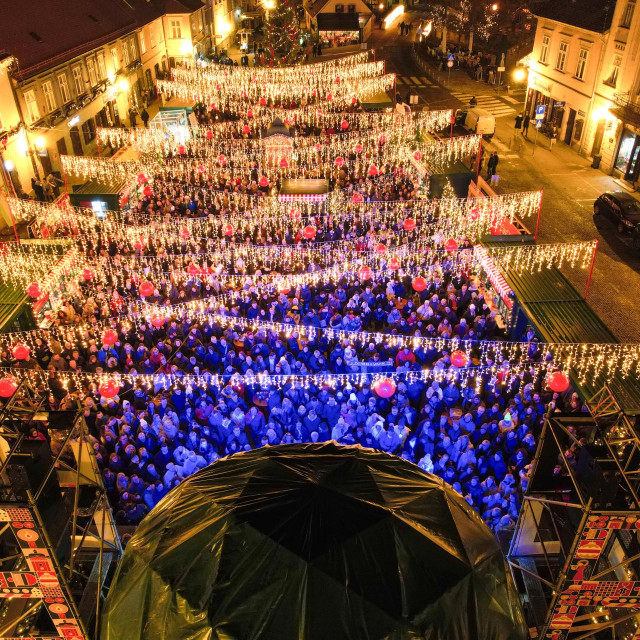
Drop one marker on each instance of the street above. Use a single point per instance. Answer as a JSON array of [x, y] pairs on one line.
[[570, 184]]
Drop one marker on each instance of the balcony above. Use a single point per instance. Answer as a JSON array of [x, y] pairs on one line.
[[626, 109]]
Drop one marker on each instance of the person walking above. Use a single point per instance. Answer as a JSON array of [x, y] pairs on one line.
[[525, 125], [492, 165], [145, 118], [132, 117], [518, 124]]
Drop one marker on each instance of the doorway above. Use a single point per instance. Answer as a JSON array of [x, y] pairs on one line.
[[568, 132], [76, 143], [597, 138]]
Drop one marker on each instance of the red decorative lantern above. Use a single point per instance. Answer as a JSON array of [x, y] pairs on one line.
[[339, 161], [373, 170], [138, 245], [338, 79], [329, 97], [222, 159], [264, 181], [419, 284], [250, 113], [157, 321], [8, 387], [246, 129], [381, 248], [227, 230], [409, 224], [459, 359], [354, 100], [357, 198], [358, 148], [109, 390], [418, 155], [283, 163], [209, 135], [33, 290], [263, 102], [345, 125], [147, 289], [21, 352], [394, 264], [384, 387], [87, 273], [364, 274], [200, 169], [110, 337], [182, 150], [558, 381], [309, 232], [148, 191], [450, 245]]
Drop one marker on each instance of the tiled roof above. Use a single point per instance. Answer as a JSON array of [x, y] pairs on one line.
[[592, 15]]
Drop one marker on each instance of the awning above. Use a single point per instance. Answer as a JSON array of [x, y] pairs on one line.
[[338, 22]]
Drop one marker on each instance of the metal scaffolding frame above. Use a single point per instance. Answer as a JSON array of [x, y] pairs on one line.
[[58, 539], [575, 552]]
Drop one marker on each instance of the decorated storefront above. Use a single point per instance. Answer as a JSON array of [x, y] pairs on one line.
[[339, 29]]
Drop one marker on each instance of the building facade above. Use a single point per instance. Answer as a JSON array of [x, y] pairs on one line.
[[584, 73], [61, 78]]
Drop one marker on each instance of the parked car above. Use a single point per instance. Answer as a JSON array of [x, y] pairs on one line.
[[620, 209]]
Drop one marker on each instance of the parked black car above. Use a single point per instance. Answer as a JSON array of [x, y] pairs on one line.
[[621, 209]]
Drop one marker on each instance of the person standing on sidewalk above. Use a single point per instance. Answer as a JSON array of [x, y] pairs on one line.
[[518, 124], [525, 125], [144, 116]]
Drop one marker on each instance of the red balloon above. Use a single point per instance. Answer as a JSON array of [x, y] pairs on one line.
[[33, 290], [385, 387], [157, 321], [110, 389], [8, 387], [142, 178], [182, 150], [450, 245], [309, 232], [459, 359], [373, 170], [148, 191], [87, 273], [227, 230], [381, 248], [246, 129], [264, 181], [283, 163], [337, 78], [394, 264], [222, 159], [358, 148], [344, 124], [110, 337], [419, 284], [357, 198], [147, 289], [364, 274], [209, 135], [418, 156], [409, 224], [558, 381], [20, 352], [339, 161]]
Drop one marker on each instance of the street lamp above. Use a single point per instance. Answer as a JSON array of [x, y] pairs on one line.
[[519, 74], [494, 6]]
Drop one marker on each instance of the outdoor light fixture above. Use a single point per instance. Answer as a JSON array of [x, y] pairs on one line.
[[494, 7], [123, 85], [519, 74], [9, 166], [381, 6], [39, 142]]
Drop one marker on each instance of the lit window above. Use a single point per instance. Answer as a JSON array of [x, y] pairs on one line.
[[78, 82], [562, 56], [125, 54], [64, 88], [627, 16], [114, 59], [102, 69], [32, 107], [612, 80], [143, 45], [151, 40], [176, 29], [582, 63], [132, 48], [91, 68], [544, 49], [49, 97]]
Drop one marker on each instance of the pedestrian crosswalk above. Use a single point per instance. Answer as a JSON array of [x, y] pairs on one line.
[[492, 104], [414, 82]]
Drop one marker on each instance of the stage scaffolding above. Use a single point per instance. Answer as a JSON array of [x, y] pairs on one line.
[[58, 542], [575, 552]]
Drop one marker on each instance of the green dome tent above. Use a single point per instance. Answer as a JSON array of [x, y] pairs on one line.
[[312, 541]]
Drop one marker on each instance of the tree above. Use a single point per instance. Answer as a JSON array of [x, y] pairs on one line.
[[285, 43]]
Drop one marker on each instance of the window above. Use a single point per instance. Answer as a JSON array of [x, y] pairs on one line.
[[627, 16], [339, 8], [351, 8], [544, 49], [582, 63], [143, 44], [49, 97], [612, 80], [176, 29], [91, 68], [32, 107], [151, 41], [88, 130], [114, 59], [78, 82], [64, 88], [562, 56], [125, 54], [102, 69], [132, 49]]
